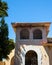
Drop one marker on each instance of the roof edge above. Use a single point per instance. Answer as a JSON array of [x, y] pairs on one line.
[[44, 24]]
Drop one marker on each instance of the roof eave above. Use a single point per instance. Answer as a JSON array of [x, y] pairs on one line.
[[44, 24]]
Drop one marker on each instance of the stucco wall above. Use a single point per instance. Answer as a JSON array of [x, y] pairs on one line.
[[49, 52], [8, 62], [31, 40], [44, 53], [43, 58], [31, 44], [2, 63], [12, 61]]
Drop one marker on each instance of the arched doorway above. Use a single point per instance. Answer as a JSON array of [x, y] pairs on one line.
[[31, 58]]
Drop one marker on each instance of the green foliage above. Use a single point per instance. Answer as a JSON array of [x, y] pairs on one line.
[[3, 9], [6, 44]]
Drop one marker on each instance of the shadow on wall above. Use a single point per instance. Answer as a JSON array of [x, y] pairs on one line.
[[2, 63], [12, 61], [49, 52]]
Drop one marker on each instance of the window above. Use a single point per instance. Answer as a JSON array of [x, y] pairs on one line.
[[37, 34], [24, 34]]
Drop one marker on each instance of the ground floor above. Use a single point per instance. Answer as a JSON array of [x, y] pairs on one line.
[[32, 55]]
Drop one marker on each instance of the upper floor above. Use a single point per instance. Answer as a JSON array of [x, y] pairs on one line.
[[31, 33]]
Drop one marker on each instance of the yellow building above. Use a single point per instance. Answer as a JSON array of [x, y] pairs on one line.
[[32, 45]]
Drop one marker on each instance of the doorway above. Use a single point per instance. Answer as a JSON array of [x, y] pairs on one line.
[[31, 58]]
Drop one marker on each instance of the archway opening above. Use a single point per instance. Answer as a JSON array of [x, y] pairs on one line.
[[24, 34], [37, 34], [31, 58]]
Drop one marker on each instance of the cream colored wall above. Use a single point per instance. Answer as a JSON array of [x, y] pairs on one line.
[[12, 61], [31, 44], [31, 40], [8, 62], [44, 55], [49, 52], [27, 42], [2, 63], [43, 58]]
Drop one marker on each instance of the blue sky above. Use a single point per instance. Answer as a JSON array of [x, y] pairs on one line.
[[28, 11]]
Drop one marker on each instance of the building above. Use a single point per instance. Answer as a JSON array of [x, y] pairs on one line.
[[32, 45], [9, 61]]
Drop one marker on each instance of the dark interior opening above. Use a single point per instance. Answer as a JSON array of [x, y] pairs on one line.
[[31, 58]]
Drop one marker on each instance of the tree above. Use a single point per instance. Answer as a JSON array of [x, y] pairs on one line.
[[6, 44], [3, 9]]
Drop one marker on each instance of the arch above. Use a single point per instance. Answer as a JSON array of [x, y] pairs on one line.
[[37, 34], [24, 34], [31, 58]]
